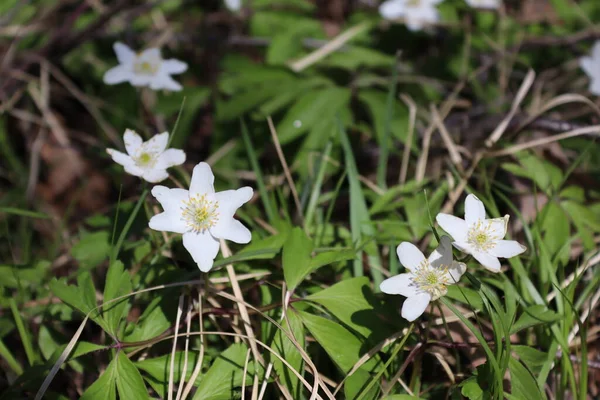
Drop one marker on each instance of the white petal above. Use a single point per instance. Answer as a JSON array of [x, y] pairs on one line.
[[141, 80], [419, 16], [133, 142], [126, 161], [230, 200], [409, 255], [487, 260], [392, 9], [168, 222], [456, 227], [202, 179], [489, 4], [170, 158], [474, 209], [456, 270], [173, 66], [400, 284], [497, 226], [507, 249], [414, 306], [233, 5], [595, 86], [233, 230], [441, 257], [164, 81], [171, 200], [152, 55], [463, 246], [124, 54], [118, 74], [157, 143], [588, 66], [155, 175], [202, 247], [596, 51]]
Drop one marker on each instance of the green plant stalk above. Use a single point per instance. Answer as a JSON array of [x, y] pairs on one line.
[[114, 254], [10, 359], [387, 363], [314, 196], [489, 353], [23, 333], [385, 140], [264, 195]]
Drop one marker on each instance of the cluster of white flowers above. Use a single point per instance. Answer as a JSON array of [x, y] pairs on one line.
[[417, 14], [427, 279]]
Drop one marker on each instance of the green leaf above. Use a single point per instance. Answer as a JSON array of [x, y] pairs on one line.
[[310, 109], [401, 397], [466, 296], [92, 249], [523, 385], [23, 213], [352, 301], [286, 349], [80, 297], [342, 346], [158, 367], [331, 257], [534, 315], [534, 359], [225, 374], [584, 220], [104, 387], [14, 276], [296, 258], [129, 381], [151, 323], [118, 283], [471, 389], [356, 383]]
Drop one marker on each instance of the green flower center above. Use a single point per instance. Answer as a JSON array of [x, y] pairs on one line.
[[413, 3], [433, 280], [199, 213], [145, 68], [145, 159]]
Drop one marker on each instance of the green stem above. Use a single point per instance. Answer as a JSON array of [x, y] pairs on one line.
[[10, 359]]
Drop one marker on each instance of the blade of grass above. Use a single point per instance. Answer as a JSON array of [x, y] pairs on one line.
[[23, 213], [316, 192], [385, 140], [360, 221], [10, 359], [23, 333], [134, 213], [264, 196]]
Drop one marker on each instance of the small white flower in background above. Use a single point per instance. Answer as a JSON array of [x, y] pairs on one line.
[[591, 66], [480, 237], [201, 215], [415, 13], [489, 4], [233, 5], [144, 69], [148, 160], [427, 279]]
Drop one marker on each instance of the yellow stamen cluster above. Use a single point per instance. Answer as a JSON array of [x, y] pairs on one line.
[[432, 280], [481, 236], [199, 213], [413, 3]]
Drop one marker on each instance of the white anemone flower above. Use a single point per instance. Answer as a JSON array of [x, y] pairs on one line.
[[148, 160], [591, 66], [487, 4], [201, 215], [144, 69], [480, 237], [427, 279], [233, 5], [415, 13]]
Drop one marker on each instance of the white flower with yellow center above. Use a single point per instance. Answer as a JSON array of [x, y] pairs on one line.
[[201, 215], [415, 13], [144, 69], [488, 4], [148, 160], [480, 237], [591, 66], [427, 279]]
